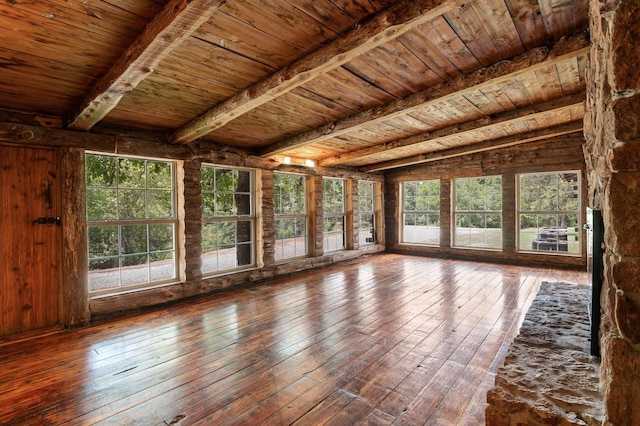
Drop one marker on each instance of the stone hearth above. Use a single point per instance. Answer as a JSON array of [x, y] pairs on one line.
[[548, 376]]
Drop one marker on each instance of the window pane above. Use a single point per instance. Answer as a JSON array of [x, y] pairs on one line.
[[160, 237], [118, 189], [422, 226], [159, 175], [101, 204], [333, 233], [134, 239], [367, 207], [333, 195], [224, 205], [103, 241], [291, 238], [160, 204], [101, 171], [135, 270], [548, 220], [482, 229], [104, 274], [132, 173], [161, 266], [227, 245], [131, 204], [367, 230], [208, 205]]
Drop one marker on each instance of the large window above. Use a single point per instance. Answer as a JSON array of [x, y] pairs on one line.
[[333, 193], [478, 213], [131, 222], [549, 212], [290, 194], [421, 212], [228, 219], [367, 209]]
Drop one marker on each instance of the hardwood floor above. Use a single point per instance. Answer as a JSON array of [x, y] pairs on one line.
[[387, 339]]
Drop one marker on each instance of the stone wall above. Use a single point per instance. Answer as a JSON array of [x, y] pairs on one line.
[[612, 153]]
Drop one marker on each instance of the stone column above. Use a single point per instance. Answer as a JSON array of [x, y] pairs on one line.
[[612, 153]]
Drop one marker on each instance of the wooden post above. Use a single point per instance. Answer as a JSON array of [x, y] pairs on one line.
[[75, 269]]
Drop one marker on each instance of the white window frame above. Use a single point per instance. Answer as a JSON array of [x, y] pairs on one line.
[[209, 220], [551, 241], [476, 214], [370, 201], [281, 243], [407, 215], [330, 241], [174, 251]]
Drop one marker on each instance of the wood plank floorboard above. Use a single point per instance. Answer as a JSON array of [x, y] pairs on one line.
[[386, 339]]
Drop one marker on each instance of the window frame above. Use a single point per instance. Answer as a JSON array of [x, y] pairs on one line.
[[431, 212], [119, 223], [292, 216], [326, 235], [373, 213], [484, 212], [550, 212], [212, 219]]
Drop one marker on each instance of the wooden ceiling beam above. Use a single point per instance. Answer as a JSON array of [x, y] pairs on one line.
[[382, 28], [535, 59], [168, 30], [536, 135], [458, 128]]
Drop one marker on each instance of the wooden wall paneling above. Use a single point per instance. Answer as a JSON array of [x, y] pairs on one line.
[[446, 218], [456, 51], [35, 68], [50, 103], [510, 224], [74, 297], [312, 223], [267, 225], [66, 44], [127, 112], [421, 45], [391, 212], [246, 40], [557, 17], [181, 215], [525, 14], [379, 222], [43, 268], [326, 13], [352, 221], [193, 220], [469, 27], [30, 272], [272, 17], [100, 17], [317, 211], [495, 17], [369, 72], [15, 205], [402, 66], [232, 70]]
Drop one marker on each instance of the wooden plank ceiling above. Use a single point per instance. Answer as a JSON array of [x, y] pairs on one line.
[[370, 84]]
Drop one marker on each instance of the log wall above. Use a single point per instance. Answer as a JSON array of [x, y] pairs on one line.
[[73, 145], [561, 153]]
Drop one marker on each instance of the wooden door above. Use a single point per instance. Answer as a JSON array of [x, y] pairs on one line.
[[29, 273]]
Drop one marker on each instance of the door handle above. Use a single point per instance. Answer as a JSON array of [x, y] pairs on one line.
[[48, 221]]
